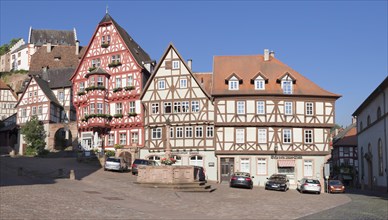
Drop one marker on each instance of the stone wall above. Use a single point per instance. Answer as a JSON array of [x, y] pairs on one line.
[[165, 174]]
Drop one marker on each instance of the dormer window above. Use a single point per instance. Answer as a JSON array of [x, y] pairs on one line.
[[233, 83], [259, 84], [287, 86]]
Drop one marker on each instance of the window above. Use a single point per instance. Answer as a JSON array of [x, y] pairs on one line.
[[167, 107], [82, 87], [156, 133], [116, 58], [287, 86], [155, 108], [91, 108], [287, 136], [40, 110], [262, 136], [178, 159], [34, 110], [198, 132], [96, 62], [259, 84], [100, 81], [183, 83], [368, 121], [177, 107], [380, 155], [132, 107], [171, 132], [24, 112], [196, 160], [99, 108], [308, 136], [189, 132], [209, 131], [361, 127], [85, 110], [105, 39], [240, 107], [161, 84], [233, 84], [154, 158], [119, 108], [134, 137], [175, 64], [308, 168], [35, 93], [30, 94], [130, 80], [123, 139], [288, 108], [261, 166], [185, 106], [195, 106], [111, 139], [309, 108], [118, 82], [91, 81], [245, 165], [260, 107], [179, 132], [240, 136]]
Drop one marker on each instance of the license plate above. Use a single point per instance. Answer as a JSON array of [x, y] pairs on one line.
[[241, 179], [275, 186]]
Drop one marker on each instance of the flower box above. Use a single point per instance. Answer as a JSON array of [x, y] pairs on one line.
[[132, 114], [105, 45], [114, 64], [91, 88], [129, 88], [92, 68], [81, 93], [167, 161], [117, 89], [118, 115]]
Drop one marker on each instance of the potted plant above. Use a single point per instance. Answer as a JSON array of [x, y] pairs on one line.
[[118, 115], [167, 161], [132, 114], [105, 45]]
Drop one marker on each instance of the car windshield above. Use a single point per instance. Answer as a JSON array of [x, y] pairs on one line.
[[312, 181], [144, 162], [110, 159], [277, 178], [242, 174], [335, 182]]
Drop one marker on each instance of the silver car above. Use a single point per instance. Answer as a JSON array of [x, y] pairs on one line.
[[115, 163], [309, 185]]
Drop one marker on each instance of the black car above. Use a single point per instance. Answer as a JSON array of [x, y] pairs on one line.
[[199, 173], [278, 182], [139, 162], [241, 179]]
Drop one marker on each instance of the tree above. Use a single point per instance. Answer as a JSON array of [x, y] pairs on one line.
[[6, 47], [34, 136]]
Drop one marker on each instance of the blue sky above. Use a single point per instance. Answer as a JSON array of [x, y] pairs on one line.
[[339, 45]]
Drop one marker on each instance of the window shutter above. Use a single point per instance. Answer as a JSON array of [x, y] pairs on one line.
[[168, 64]]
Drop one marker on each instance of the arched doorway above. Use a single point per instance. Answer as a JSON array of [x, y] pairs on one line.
[[60, 140], [127, 157]]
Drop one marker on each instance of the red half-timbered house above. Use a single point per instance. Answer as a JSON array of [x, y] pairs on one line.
[[106, 90]]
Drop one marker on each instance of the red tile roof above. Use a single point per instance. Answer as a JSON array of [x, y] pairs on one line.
[[205, 80], [249, 66], [347, 137]]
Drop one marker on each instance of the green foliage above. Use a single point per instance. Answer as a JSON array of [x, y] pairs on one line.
[[118, 146], [109, 153], [34, 135], [30, 151], [6, 47]]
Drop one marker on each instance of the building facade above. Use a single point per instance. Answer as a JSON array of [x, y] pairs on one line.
[[344, 156], [269, 119], [8, 100], [106, 91], [179, 112], [372, 123]]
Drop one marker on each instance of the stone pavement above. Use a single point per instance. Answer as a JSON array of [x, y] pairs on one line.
[[98, 194]]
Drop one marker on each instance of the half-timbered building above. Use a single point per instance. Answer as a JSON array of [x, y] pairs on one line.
[[179, 113], [107, 86], [269, 119], [8, 100]]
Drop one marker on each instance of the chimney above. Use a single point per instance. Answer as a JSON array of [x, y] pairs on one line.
[[190, 63], [48, 46], [77, 47], [272, 54], [266, 54]]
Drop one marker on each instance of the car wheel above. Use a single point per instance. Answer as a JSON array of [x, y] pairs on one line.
[[251, 187], [318, 193]]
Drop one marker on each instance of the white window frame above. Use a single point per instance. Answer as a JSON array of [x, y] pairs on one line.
[[118, 82], [82, 86], [189, 132], [259, 84], [33, 110], [183, 83], [309, 108], [175, 64], [177, 107], [198, 131], [161, 84], [132, 107], [308, 136], [134, 137], [119, 108], [165, 107], [287, 86], [240, 107], [171, 132], [209, 131], [261, 166], [260, 105], [123, 138], [92, 110], [308, 168], [100, 81], [100, 109], [156, 133], [288, 108], [233, 84], [245, 165], [195, 106], [40, 110], [240, 136], [185, 106], [130, 80], [179, 132], [262, 136], [116, 58], [196, 160], [154, 108], [287, 136]]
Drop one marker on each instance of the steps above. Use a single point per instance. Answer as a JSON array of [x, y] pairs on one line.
[[198, 186]]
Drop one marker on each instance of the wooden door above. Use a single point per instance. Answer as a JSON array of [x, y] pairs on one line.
[[227, 168]]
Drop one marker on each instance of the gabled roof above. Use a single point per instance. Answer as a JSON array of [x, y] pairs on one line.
[[4, 86], [55, 37], [205, 80], [249, 65], [59, 57], [98, 71], [44, 86], [347, 137], [257, 75], [171, 47], [58, 78]]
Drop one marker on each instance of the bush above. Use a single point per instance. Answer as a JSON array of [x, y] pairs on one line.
[[110, 153], [30, 151]]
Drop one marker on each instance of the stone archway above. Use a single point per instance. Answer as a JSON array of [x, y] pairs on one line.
[[60, 139], [127, 157]]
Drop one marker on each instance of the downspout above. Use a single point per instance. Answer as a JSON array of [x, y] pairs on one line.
[[385, 138]]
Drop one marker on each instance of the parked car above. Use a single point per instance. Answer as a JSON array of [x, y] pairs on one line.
[[142, 162], [241, 179], [199, 173], [278, 182], [336, 186], [115, 163], [309, 185]]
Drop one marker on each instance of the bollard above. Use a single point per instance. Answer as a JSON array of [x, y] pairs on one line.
[[72, 175], [60, 172], [20, 171]]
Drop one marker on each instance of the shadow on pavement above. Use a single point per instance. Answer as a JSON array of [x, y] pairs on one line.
[[45, 170], [381, 195]]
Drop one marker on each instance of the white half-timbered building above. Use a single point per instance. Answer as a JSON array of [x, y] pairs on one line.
[[8, 100], [107, 86], [269, 119], [179, 112]]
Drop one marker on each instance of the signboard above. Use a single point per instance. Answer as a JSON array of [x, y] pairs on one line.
[[211, 164], [286, 157]]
